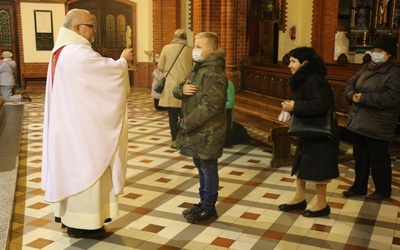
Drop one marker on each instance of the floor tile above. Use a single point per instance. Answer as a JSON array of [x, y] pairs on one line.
[[161, 183]]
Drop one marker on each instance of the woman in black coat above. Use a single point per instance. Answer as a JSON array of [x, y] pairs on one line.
[[316, 159]]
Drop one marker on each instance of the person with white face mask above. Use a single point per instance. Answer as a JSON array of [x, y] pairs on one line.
[[202, 126], [374, 95]]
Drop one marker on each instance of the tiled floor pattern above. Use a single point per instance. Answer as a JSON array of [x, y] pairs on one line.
[[161, 183]]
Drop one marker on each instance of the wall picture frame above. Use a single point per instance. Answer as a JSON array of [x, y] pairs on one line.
[[44, 29]]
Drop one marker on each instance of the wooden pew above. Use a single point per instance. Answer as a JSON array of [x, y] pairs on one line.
[[260, 114], [32, 76]]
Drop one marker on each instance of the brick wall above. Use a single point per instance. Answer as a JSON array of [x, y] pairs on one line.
[[166, 19], [228, 19], [324, 26]]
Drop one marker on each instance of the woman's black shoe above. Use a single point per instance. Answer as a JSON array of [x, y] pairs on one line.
[[298, 206], [349, 193], [323, 212], [376, 196], [25, 97], [89, 234]]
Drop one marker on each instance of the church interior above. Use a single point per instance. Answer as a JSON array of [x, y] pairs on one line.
[[254, 178]]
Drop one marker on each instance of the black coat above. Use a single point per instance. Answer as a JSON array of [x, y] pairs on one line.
[[316, 159]]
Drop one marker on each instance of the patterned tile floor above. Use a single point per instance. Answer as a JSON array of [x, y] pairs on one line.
[[161, 183]]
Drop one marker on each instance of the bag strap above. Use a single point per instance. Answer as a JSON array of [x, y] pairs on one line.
[[175, 60]]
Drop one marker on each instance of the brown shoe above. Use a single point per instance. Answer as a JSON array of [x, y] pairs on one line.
[[173, 145], [25, 97]]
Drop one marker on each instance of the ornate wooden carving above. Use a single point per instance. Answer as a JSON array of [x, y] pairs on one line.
[[369, 19]]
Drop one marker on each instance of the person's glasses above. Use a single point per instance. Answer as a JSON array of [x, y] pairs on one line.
[[87, 25]]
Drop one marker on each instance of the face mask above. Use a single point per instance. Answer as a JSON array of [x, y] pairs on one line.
[[378, 57], [196, 54], [157, 60]]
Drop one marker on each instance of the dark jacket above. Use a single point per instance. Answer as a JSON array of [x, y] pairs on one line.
[[203, 123], [315, 158], [377, 113]]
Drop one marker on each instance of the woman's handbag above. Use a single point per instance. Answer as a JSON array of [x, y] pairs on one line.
[[161, 84], [323, 126]]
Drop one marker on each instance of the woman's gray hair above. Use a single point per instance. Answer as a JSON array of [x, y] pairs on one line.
[[180, 33]]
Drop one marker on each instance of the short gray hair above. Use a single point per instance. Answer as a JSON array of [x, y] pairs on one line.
[[73, 17]]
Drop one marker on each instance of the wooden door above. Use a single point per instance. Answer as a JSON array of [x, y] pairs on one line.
[[113, 24]]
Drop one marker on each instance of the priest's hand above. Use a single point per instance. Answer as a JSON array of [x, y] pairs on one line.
[[127, 54]]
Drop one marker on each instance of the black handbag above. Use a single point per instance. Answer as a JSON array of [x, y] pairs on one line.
[[323, 126], [161, 84]]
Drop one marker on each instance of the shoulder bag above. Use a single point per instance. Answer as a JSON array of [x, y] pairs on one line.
[[160, 85], [322, 126]]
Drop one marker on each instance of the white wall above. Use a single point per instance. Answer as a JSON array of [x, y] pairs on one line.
[[144, 22], [299, 15], [28, 29]]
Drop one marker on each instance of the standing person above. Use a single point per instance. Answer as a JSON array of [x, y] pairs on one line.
[[316, 159], [178, 72], [156, 75], [7, 80], [230, 103], [374, 94], [203, 123], [85, 133]]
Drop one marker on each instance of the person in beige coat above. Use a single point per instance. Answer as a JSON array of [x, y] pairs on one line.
[[178, 73]]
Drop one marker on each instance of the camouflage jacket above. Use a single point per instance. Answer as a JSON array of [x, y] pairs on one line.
[[203, 123]]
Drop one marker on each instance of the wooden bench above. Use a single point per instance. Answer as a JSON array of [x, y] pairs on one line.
[[32, 77], [259, 114]]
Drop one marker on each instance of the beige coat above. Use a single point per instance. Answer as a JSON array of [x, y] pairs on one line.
[[178, 73]]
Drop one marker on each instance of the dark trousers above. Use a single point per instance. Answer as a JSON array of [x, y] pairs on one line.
[[156, 106], [229, 130], [208, 180], [371, 154], [173, 115]]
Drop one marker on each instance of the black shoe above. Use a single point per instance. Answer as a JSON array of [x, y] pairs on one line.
[[376, 196], [349, 193], [323, 212], [192, 210], [202, 215], [89, 234], [298, 206], [25, 97]]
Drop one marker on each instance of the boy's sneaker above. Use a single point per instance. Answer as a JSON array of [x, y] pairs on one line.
[[192, 210], [202, 215]]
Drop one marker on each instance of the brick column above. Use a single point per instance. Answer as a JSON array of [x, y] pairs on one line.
[[324, 27], [228, 19]]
